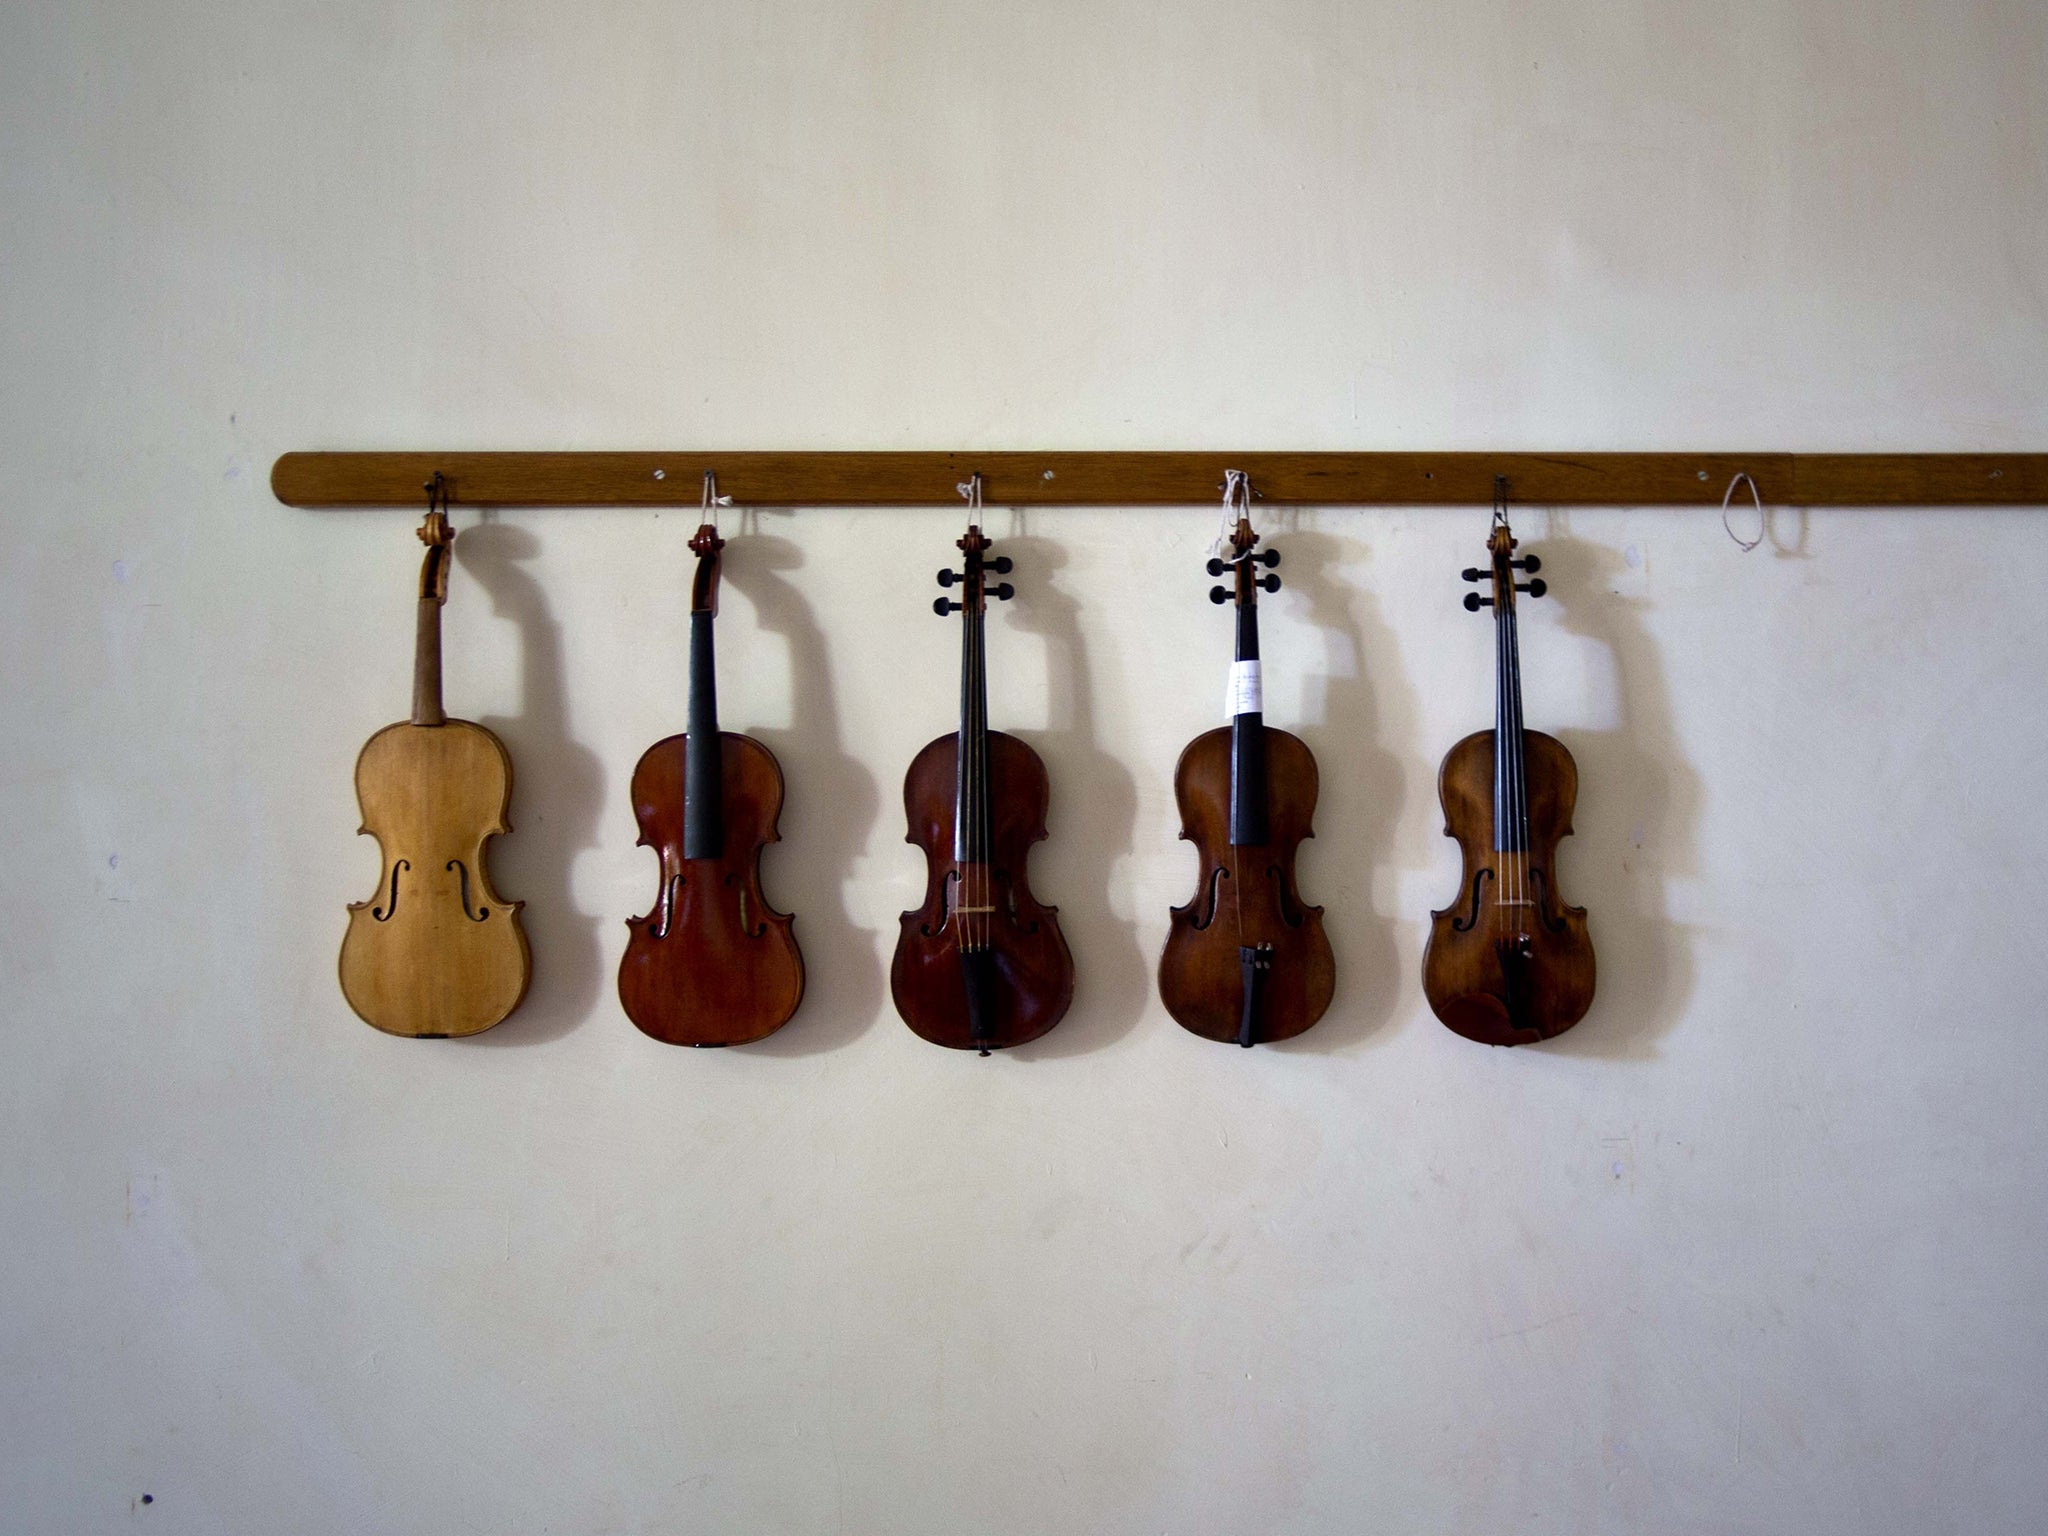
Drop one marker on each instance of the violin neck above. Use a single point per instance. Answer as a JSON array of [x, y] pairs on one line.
[[971, 822], [426, 665], [1510, 771], [1246, 707], [703, 760]]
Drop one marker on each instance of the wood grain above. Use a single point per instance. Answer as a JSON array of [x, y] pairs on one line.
[[861, 479]]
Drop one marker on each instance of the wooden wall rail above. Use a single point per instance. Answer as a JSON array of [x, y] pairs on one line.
[[1160, 479]]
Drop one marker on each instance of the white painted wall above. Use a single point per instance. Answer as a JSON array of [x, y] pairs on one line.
[[1758, 1248]]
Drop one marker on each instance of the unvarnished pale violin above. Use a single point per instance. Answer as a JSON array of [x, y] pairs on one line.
[[435, 952], [711, 963], [1508, 963], [981, 965], [1245, 961]]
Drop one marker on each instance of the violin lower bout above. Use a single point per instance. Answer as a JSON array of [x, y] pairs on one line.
[[1503, 973], [711, 963]]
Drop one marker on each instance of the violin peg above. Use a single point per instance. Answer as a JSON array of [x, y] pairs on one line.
[[1219, 594], [1474, 602], [947, 578], [1002, 565], [1532, 565], [1535, 588], [1271, 558], [1270, 583], [1216, 567], [941, 607], [1473, 573], [1004, 592]]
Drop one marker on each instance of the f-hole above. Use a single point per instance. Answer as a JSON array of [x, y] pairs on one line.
[[1216, 878], [462, 873], [665, 909], [733, 881], [1010, 904], [1290, 914], [947, 902], [1465, 924], [1544, 903], [389, 910]]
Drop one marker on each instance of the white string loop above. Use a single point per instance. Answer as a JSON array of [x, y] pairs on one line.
[[712, 500], [1728, 496], [970, 491], [1237, 501]]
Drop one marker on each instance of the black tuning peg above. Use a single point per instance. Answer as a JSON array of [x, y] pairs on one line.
[[1473, 573], [1270, 583], [941, 607], [1004, 592], [1535, 588], [1474, 602], [1269, 558], [1532, 565], [947, 578], [1219, 594], [1002, 565], [1216, 567]]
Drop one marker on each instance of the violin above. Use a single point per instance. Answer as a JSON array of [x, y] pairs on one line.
[[435, 952], [1509, 962], [1245, 960], [711, 963], [981, 965]]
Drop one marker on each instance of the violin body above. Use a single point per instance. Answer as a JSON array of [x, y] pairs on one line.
[[711, 963], [1031, 971], [1508, 962], [1246, 899], [1544, 984], [435, 952]]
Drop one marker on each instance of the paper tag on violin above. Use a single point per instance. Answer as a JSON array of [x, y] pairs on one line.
[[1247, 693]]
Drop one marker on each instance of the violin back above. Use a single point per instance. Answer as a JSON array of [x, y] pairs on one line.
[[711, 963], [434, 952]]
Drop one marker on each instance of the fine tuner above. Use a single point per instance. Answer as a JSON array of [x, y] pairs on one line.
[[1266, 557]]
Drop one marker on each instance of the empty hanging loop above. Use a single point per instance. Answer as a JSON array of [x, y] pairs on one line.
[[1762, 520]]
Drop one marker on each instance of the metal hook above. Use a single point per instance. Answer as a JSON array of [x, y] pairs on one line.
[[1500, 501], [437, 493]]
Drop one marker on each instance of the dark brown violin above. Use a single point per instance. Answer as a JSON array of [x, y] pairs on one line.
[[712, 963], [1245, 961], [1509, 962], [981, 965]]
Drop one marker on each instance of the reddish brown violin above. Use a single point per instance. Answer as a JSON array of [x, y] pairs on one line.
[[712, 963], [1245, 961], [1510, 962], [981, 965]]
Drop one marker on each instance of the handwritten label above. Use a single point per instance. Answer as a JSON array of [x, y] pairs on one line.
[[1247, 693]]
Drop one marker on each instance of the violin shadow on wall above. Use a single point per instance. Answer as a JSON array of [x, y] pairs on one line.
[[1092, 820], [557, 797], [1361, 785], [828, 811], [1635, 822]]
